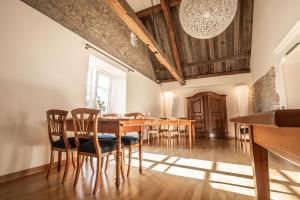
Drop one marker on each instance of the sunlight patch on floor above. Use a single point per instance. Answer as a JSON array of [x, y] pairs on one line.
[[189, 173], [239, 180], [279, 187], [150, 156], [172, 159], [276, 175], [234, 168], [160, 167], [294, 176], [235, 180], [233, 188], [282, 196], [196, 163]]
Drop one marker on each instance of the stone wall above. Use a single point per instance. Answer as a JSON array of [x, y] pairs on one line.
[[264, 95], [96, 22]]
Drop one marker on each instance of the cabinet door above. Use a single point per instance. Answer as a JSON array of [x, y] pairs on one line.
[[196, 112], [215, 116]]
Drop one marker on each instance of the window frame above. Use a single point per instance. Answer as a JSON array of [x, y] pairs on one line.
[[103, 73]]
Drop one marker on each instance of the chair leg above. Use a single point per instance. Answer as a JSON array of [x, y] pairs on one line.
[[129, 159], [82, 161], [102, 162], [73, 162], [66, 166], [92, 163], [98, 175], [78, 168], [50, 164], [59, 161], [106, 164], [122, 165]]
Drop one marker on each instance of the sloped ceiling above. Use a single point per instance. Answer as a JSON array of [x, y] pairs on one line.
[[227, 53]]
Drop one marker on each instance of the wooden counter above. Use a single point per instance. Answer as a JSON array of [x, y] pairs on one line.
[[277, 131]]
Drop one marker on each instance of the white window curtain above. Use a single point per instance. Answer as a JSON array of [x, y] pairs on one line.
[[168, 99], [242, 94]]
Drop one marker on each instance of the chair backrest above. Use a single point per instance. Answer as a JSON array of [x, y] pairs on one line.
[[135, 115], [111, 115], [56, 120], [85, 122], [154, 124]]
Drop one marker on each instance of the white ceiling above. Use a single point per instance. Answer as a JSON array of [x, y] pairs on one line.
[[138, 5]]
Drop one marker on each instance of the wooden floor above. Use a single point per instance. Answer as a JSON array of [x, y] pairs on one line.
[[213, 169]]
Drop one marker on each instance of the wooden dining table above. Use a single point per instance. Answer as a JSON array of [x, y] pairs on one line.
[[276, 131], [119, 127]]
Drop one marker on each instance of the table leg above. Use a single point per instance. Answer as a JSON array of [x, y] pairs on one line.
[[141, 150], [118, 156], [190, 134], [260, 168], [235, 132], [194, 132]]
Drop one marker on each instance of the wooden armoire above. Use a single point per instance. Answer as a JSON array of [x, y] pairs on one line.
[[209, 111]]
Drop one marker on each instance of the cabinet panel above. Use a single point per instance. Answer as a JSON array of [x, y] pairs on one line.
[[209, 111]]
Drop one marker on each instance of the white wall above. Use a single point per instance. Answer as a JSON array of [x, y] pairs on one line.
[[43, 66], [143, 95], [221, 85], [272, 21], [291, 71]]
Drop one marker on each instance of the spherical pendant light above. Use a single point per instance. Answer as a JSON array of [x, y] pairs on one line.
[[205, 19]]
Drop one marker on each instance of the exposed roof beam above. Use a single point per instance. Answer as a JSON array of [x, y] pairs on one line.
[[126, 13], [155, 9], [170, 26], [240, 71], [212, 61]]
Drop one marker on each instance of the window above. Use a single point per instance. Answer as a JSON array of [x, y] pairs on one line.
[[106, 87], [103, 93]]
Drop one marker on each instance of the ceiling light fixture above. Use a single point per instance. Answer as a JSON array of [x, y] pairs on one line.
[[205, 19]]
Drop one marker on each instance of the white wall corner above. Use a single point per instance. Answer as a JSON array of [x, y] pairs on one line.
[[291, 39]]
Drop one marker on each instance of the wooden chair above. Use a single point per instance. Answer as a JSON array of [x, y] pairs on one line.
[[173, 129], [153, 129], [85, 122], [131, 141], [56, 120]]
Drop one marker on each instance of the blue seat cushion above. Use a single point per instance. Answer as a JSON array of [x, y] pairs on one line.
[[129, 140], [107, 137], [106, 146], [61, 144]]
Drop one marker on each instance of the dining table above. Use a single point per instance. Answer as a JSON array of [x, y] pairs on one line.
[[276, 131], [122, 125]]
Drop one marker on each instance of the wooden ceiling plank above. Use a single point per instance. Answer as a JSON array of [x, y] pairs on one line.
[[170, 25], [213, 61], [155, 9], [126, 13]]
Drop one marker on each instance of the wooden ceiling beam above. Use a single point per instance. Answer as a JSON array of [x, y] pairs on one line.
[[170, 26], [240, 71], [212, 61], [155, 9], [126, 13]]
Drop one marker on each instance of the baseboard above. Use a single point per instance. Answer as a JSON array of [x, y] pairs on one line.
[[26, 172]]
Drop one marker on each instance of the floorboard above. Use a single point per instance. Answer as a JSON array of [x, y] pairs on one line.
[[213, 169]]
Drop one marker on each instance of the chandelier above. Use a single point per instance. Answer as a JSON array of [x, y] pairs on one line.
[[205, 19]]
